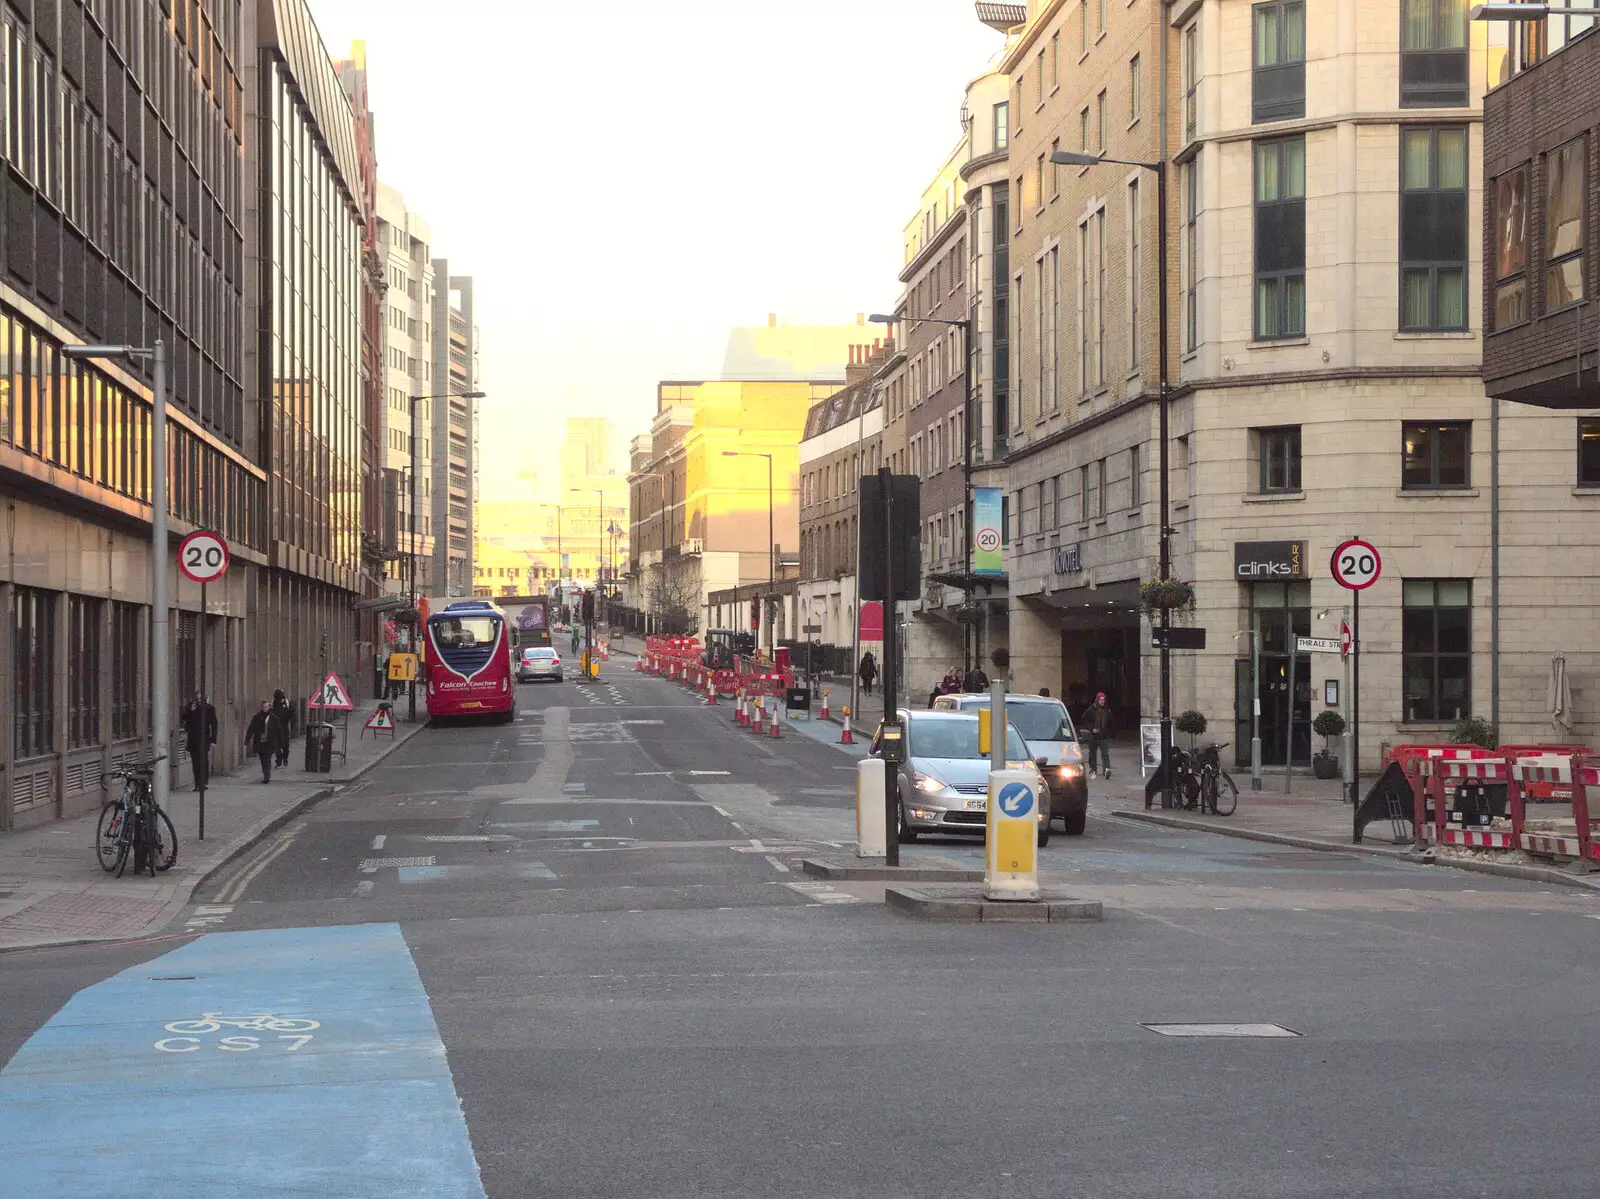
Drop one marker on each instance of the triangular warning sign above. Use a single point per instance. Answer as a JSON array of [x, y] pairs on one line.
[[381, 719], [331, 695]]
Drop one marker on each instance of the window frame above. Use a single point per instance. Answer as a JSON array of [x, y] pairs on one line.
[[1000, 126], [1510, 285], [1135, 69], [1191, 253], [1291, 105], [1291, 460], [1191, 81], [1433, 656], [1282, 276], [1429, 93], [1431, 222], [1593, 422], [1436, 431], [1553, 261]]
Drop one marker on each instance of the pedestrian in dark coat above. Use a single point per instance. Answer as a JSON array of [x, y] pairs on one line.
[[282, 709], [264, 736], [867, 671], [199, 735]]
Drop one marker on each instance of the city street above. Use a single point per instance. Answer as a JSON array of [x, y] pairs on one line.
[[598, 913]]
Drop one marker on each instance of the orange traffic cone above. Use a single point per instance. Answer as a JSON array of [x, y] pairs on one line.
[[824, 712], [846, 737], [711, 692], [773, 729]]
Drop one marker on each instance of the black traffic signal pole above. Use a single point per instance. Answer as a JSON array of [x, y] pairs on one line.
[[891, 670]]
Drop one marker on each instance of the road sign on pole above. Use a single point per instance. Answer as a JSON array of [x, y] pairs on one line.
[[332, 694], [1356, 565], [203, 557]]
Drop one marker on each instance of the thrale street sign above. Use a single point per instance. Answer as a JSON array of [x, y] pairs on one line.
[[1318, 645]]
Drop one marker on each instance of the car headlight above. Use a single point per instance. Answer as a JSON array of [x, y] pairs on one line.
[[1070, 770], [926, 782]]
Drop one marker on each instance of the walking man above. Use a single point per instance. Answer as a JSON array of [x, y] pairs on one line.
[[199, 734], [867, 671], [285, 715], [263, 736], [1097, 723]]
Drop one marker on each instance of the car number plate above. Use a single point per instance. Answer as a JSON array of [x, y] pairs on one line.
[[977, 805]]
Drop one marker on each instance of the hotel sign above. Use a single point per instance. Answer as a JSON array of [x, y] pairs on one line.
[[1069, 559], [1269, 561]]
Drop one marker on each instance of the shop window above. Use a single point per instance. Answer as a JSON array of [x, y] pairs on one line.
[[33, 646]]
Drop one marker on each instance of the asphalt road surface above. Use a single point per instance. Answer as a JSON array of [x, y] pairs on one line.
[[575, 956]]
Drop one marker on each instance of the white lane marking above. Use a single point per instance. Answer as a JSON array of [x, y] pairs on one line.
[[757, 846], [709, 773], [777, 865], [364, 887], [207, 915], [377, 842], [822, 893], [373, 865], [236, 892]]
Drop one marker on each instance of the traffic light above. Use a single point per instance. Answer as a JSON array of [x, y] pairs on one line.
[[588, 607]]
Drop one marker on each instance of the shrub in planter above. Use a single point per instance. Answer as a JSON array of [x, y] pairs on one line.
[[1327, 725], [1475, 731], [1191, 722], [1001, 659]]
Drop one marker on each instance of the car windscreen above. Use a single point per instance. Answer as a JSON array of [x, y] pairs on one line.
[[1040, 722], [957, 739]]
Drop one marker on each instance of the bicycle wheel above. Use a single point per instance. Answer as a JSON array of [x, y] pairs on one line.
[[111, 847], [164, 842], [1226, 798], [130, 839], [1208, 793]]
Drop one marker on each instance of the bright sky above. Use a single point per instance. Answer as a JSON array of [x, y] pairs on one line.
[[701, 164]]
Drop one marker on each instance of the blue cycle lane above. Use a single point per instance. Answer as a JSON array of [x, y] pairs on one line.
[[278, 1062]]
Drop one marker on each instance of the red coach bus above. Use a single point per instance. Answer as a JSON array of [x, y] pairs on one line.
[[467, 653]]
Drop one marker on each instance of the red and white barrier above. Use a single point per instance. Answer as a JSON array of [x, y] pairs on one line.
[[1441, 770]]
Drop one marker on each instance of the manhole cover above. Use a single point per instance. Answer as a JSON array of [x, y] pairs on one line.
[[1222, 1030]]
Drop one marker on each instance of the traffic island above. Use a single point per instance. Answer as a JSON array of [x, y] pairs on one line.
[[860, 870], [966, 904]]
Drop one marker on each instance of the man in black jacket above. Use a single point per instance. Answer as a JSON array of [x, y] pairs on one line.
[[285, 716], [264, 737], [199, 734]]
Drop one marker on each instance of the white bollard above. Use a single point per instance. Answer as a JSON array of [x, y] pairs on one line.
[[872, 839], [1011, 848]]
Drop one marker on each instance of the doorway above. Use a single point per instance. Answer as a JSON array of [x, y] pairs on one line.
[[1278, 613]]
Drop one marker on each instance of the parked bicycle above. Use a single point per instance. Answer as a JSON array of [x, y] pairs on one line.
[[134, 826], [1199, 782]]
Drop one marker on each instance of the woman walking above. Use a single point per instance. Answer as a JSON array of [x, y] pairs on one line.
[[867, 671]]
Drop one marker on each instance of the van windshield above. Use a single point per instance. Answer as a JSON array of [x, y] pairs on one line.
[[1040, 722], [958, 739]]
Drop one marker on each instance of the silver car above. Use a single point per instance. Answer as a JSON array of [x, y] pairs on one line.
[[1047, 728], [538, 662], [944, 781]]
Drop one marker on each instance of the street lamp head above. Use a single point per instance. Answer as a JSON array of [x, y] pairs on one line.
[[1512, 12], [731, 454], [1071, 158], [102, 351], [883, 318], [471, 395]]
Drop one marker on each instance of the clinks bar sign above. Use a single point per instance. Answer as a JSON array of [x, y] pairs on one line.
[[1269, 561]]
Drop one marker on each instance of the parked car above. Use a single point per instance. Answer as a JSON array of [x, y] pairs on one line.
[[944, 781], [538, 662], [1047, 727]]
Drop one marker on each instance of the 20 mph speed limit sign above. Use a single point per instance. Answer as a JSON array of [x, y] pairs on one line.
[[1356, 565], [203, 557]]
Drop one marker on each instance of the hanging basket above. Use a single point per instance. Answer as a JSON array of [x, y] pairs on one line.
[[406, 617], [967, 613], [1165, 595]]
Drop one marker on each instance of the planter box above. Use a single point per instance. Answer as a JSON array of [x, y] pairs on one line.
[[1325, 767]]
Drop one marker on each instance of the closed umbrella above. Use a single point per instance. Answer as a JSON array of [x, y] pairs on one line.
[[1560, 695]]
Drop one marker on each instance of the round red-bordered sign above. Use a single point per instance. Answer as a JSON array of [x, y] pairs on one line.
[[1356, 565], [203, 557]]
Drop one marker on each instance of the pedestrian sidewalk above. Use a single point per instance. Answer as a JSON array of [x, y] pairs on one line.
[[53, 892]]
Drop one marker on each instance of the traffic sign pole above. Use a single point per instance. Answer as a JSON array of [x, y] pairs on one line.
[[203, 557], [1356, 566]]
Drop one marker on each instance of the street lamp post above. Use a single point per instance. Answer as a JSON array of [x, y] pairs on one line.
[[772, 554], [160, 682], [969, 632], [411, 687], [1073, 158]]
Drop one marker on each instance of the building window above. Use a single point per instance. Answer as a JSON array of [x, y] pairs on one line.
[[1278, 86], [1038, 83], [1038, 182], [1083, 27], [1588, 451], [1135, 478], [1093, 483], [1436, 649], [1280, 238], [1433, 228], [1002, 125], [1191, 81], [1133, 89], [1083, 131], [1055, 171], [1055, 59], [1133, 274], [33, 647], [83, 672], [1091, 302], [1280, 459], [1511, 248], [1047, 505], [1436, 455], [1191, 255], [1565, 172], [1005, 519], [1100, 123], [1433, 54]]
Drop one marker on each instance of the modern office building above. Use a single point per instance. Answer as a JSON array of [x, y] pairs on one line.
[[406, 244], [453, 429], [123, 202]]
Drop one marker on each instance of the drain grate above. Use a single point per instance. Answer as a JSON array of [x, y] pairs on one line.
[[1222, 1030]]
